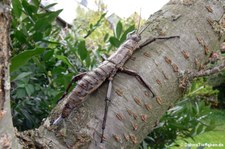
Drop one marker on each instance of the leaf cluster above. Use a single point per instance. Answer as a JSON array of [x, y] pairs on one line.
[[187, 119], [45, 57]]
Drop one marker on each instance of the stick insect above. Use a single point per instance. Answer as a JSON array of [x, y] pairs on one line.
[[88, 82]]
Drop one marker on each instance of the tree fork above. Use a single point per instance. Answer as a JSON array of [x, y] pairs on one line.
[[155, 62], [132, 112]]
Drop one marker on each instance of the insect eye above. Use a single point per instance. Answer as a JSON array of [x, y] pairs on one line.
[[136, 38]]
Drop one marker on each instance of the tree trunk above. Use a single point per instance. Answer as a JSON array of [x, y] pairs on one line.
[[133, 113], [7, 134]]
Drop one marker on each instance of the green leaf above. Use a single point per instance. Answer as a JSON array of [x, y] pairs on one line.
[[51, 42], [48, 54], [66, 61], [114, 41], [21, 84], [128, 30], [49, 6], [37, 36], [21, 59], [36, 2], [200, 129], [42, 25], [197, 108], [88, 61], [29, 9], [21, 76], [145, 145], [82, 51], [27, 115], [53, 15], [17, 10], [106, 37], [119, 28], [20, 93], [44, 22], [193, 86], [29, 89], [93, 27], [20, 36]]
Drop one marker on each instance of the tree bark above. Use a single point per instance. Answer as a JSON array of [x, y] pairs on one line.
[[7, 133], [133, 113]]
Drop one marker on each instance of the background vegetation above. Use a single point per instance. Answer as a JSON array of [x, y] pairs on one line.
[[45, 57]]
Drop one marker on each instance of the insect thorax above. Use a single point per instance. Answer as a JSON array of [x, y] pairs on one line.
[[134, 36]]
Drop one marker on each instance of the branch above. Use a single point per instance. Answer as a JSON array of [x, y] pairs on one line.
[[208, 72]]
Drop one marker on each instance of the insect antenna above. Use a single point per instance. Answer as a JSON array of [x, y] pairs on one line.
[[144, 29], [139, 23]]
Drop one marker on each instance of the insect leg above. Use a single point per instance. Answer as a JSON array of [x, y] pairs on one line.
[[150, 40], [107, 100], [139, 78], [75, 78], [104, 57]]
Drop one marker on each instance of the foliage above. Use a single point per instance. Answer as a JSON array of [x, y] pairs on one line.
[[46, 57], [199, 87], [104, 39], [201, 90], [187, 119], [212, 137], [221, 96], [219, 84], [34, 40]]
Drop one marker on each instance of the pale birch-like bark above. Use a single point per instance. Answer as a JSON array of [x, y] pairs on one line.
[[133, 114]]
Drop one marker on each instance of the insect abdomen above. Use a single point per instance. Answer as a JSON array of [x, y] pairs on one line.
[[123, 53], [89, 83]]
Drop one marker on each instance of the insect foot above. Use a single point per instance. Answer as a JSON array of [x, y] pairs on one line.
[[184, 79]]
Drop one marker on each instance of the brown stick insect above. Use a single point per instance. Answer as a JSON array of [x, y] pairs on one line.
[[88, 82]]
